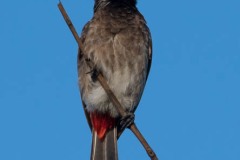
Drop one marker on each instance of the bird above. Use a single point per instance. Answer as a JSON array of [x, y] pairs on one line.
[[118, 42]]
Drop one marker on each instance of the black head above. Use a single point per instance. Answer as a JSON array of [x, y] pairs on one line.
[[99, 3]]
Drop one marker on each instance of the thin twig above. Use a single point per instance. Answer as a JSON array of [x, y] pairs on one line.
[[107, 89]]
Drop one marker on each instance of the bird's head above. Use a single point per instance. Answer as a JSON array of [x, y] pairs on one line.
[[131, 2]]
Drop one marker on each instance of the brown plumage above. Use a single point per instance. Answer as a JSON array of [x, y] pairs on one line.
[[117, 40]]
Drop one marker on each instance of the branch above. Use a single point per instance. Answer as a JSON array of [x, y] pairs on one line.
[[107, 89]]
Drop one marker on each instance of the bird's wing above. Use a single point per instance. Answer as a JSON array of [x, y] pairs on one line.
[[79, 60], [83, 104], [87, 115], [149, 55]]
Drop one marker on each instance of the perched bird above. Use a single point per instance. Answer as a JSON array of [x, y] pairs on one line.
[[118, 42]]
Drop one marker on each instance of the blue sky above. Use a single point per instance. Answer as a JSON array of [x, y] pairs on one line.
[[191, 104]]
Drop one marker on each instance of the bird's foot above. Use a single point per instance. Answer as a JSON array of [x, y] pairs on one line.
[[126, 121], [94, 73]]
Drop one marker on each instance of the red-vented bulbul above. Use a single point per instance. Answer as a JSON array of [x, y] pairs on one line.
[[118, 42]]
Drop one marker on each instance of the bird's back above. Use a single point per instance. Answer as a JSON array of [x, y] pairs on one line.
[[118, 42]]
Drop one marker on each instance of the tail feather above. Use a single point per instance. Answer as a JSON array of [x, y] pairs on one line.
[[106, 148]]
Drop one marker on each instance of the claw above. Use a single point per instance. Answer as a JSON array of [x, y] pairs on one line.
[[126, 121]]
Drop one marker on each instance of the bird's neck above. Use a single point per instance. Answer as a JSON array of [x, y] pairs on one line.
[[100, 4]]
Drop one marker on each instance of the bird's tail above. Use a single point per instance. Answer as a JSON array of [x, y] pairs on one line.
[[104, 137], [106, 148]]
